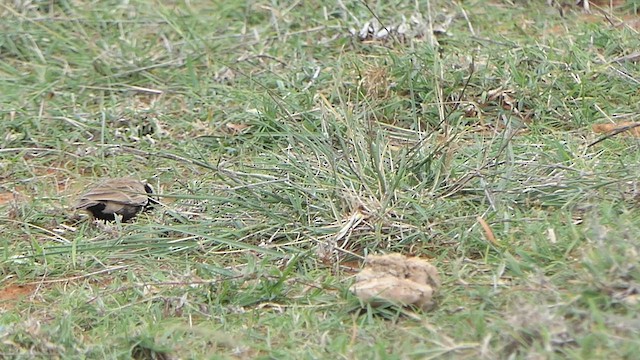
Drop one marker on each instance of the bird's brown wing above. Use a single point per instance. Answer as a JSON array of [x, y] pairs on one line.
[[115, 192]]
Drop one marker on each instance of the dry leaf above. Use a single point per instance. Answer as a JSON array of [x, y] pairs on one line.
[[634, 128], [236, 128], [504, 97], [488, 233]]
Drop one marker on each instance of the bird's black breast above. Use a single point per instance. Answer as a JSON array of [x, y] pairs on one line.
[[126, 211]]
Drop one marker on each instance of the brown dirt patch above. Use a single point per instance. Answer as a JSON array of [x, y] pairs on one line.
[[11, 294]]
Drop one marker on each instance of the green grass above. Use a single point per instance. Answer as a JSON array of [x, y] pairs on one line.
[[265, 126]]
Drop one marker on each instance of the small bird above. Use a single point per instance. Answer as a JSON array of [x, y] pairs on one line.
[[125, 197]]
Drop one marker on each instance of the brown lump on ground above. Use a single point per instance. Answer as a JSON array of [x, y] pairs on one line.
[[398, 279]]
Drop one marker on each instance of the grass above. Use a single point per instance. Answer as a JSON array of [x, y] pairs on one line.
[[267, 126]]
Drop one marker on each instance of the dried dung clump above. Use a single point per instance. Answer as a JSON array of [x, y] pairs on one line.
[[398, 279]]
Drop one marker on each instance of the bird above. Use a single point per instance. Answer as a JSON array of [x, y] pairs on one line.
[[124, 197]]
